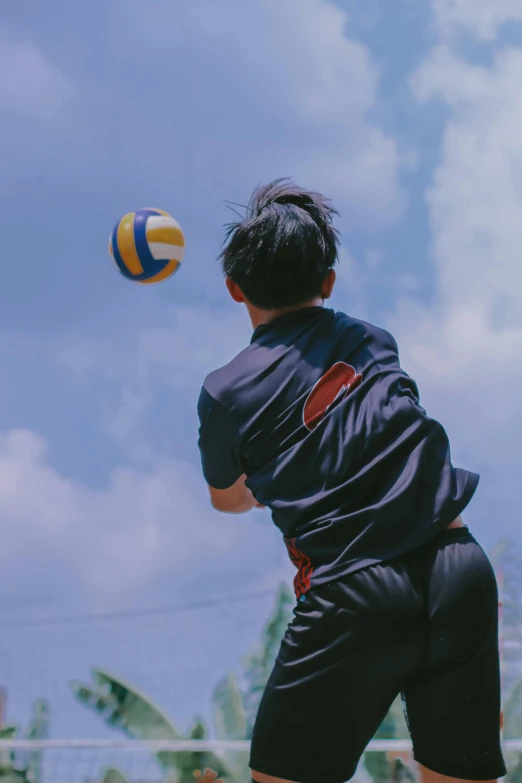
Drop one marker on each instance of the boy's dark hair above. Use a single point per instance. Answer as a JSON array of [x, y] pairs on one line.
[[280, 253]]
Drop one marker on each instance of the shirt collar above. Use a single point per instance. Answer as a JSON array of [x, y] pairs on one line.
[[287, 319]]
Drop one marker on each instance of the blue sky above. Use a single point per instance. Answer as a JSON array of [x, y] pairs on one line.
[[408, 114]]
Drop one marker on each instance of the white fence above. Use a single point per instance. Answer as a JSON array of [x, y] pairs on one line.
[[194, 746]]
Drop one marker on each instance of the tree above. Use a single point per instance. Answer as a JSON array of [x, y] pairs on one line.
[[235, 699], [259, 663], [124, 707], [385, 766], [233, 707], [506, 558], [25, 767]]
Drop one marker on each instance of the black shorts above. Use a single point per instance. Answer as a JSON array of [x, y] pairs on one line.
[[426, 626]]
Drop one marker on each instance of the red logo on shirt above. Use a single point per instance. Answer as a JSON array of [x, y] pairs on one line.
[[302, 562], [339, 381]]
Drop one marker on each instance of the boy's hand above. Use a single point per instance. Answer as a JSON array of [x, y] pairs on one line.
[[208, 776]]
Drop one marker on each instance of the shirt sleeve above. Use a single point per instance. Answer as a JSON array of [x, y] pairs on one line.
[[218, 443], [392, 342]]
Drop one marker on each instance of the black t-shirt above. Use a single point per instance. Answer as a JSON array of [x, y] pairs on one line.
[[328, 428]]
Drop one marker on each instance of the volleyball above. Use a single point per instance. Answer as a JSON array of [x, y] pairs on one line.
[[147, 246]]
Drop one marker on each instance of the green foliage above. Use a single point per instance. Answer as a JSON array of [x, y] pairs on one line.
[[7, 769], [258, 665], [185, 763], [234, 708], [507, 562], [235, 699], [228, 710], [377, 763], [25, 767], [112, 775], [124, 707], [8, 732], [513, 712], [513, 730], [377, 766], [38, 729]]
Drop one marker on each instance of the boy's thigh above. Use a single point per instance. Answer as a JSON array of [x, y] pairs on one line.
[[453, 704], [341, 665], [454, 720]]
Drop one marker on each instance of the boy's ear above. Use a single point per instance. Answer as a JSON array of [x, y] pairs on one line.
[[329, 282], [234, 290]]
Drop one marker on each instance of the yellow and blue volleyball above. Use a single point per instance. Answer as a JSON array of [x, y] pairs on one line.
[[147, 246]]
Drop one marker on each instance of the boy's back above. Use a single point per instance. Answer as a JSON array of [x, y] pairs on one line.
[[319, 415]]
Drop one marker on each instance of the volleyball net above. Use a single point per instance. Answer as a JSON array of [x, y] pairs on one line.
[[162, 694], [183, 761]]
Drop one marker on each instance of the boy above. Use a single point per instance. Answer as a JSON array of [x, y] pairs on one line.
[[317, 421]]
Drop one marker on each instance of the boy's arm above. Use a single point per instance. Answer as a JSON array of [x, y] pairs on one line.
[[220, 458], [237, 499]]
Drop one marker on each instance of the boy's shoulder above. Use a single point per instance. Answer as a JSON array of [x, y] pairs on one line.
[[246, 368], [377, 335], [238, 371]]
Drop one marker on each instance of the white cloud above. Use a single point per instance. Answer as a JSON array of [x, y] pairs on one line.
[[466, 348], [475, 199], [192, 342], [359, 172], [298, 66], [481, 18], [117, 540], [301, 56], [29, 83], [186, 347]]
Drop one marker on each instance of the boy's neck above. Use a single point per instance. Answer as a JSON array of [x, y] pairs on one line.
[[259, 317]]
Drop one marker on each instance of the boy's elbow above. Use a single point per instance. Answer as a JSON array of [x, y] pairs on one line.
[[219, 505], [237, 499], [230, 507]]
